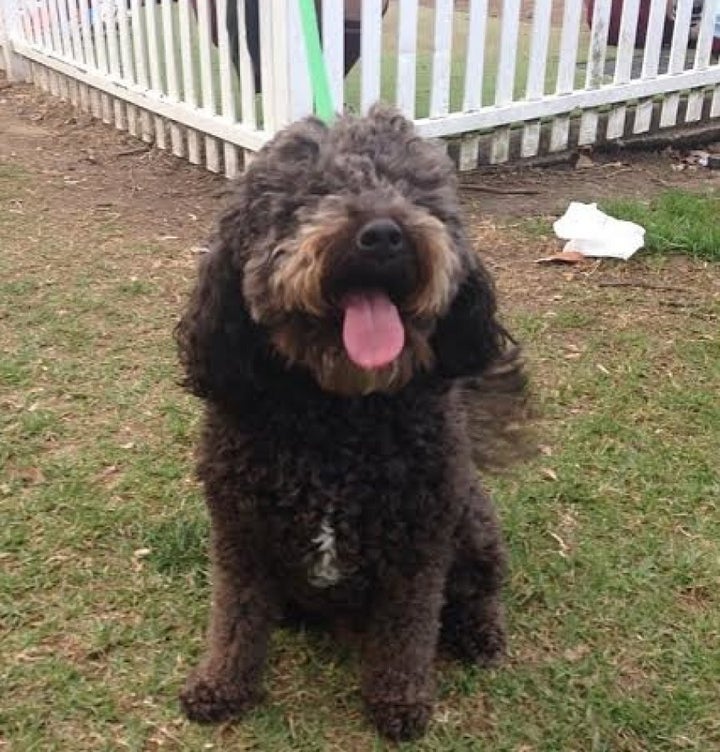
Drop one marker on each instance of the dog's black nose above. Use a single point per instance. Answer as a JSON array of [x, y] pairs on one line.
[[380, 237]]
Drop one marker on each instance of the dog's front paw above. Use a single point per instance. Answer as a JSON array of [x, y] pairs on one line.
[[475, 639], [210, 699], [400, 722], [485, 647], [491, 647]]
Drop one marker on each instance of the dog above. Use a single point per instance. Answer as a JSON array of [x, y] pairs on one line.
[[340, 328]]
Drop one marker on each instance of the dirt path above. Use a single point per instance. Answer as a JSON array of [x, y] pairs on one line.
[[90, 167]]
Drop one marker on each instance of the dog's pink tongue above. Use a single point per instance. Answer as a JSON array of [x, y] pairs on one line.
[[372, 331]]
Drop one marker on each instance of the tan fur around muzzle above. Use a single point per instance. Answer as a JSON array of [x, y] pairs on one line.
[[295, 284], [291, 287]]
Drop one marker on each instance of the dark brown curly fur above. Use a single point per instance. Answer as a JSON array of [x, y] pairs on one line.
[[298, 439]]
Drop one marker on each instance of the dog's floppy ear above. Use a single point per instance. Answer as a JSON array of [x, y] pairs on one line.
[[221, 349], [469, 339]]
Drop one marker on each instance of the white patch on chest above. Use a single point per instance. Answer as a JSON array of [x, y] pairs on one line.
[[324, 570]]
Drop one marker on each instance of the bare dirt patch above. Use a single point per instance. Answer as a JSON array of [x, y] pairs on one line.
[[88, 166], [538, 191]]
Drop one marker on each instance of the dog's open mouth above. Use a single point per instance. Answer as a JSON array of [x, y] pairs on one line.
[[373, 333]]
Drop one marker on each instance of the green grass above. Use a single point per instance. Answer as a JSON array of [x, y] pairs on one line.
[[614, 532], [676, 222]]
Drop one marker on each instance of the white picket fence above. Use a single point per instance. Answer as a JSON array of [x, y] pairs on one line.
[[471, 71]]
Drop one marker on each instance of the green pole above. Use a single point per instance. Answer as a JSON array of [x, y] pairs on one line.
[[319, 79]]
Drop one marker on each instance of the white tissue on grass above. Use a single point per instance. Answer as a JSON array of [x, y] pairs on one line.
[[593, 233]]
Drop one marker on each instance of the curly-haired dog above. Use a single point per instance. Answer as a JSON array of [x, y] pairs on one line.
[[331, 333]]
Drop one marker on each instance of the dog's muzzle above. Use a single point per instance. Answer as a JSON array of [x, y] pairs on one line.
[[381, 257]]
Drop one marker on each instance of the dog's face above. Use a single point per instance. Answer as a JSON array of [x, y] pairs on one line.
[[351, 292], [361, 252], [347, 250]]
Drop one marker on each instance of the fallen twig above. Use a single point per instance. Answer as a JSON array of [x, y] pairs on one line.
[[683, 304], [644, 285], [500, 191], [131, 152]]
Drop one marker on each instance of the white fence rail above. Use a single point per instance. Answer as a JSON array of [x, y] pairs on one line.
[[212, 80]]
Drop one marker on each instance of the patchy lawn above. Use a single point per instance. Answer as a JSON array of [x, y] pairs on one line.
[[614, 529], [676, 222]]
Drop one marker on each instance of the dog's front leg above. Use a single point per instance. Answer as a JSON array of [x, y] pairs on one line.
[[228, 680], [398, 681]]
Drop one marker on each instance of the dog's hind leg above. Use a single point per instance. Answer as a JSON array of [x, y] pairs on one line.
[[473, 624], [228, 680]]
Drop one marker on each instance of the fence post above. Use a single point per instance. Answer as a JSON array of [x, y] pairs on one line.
[[16, 67], [286, 87]]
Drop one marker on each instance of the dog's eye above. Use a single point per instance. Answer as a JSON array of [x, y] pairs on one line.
[[277, 253]]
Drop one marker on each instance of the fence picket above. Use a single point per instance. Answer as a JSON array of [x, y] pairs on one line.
[[296, 66], [678, 56], [25, 24], [441, 58], [624, 63], [54, 21], [65, 84], [247, 79], [126, 64], [703, 53], [28, 27], [474, 77], [207, 84], [65, 45], [154, 52], [651, 62], [89, 100], [595, 67], [28, 33], [171, 71], [505, 82], [270, 119], [111, 32], [370, 53], [407, 57], [35, 75], [188, 78], [64, 28], [73, 31], [44, 35], [140, 53], [333, 26], [228, 104], [77, 52], [535, 88], [97, 23], [569, 39]]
